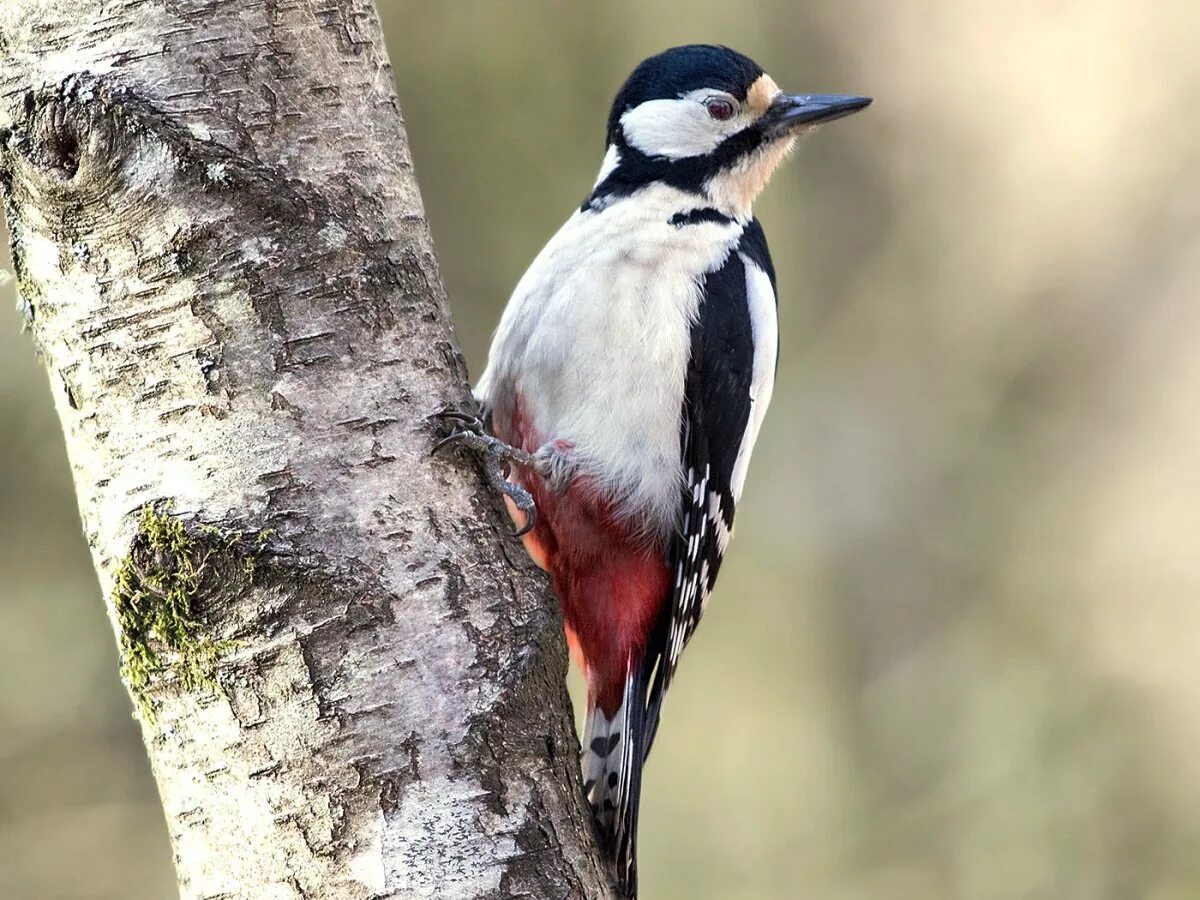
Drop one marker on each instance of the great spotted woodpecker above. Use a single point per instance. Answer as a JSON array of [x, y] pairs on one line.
[[627, 382]]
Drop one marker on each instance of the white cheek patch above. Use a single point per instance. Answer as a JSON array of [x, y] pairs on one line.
[[677, 129]]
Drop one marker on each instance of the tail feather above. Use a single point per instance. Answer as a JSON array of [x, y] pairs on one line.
[[601, 764], [614, 751]]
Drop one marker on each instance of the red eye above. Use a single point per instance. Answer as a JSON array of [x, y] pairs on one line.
[[719, 109]]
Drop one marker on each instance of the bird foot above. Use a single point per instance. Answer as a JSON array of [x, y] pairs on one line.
[[468, 431]]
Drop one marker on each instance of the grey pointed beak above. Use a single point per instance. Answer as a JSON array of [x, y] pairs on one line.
[[788, 112]]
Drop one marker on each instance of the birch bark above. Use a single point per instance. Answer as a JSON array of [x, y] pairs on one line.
[[352, 680]]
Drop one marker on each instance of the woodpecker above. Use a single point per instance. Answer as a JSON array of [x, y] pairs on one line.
[[626, 385]]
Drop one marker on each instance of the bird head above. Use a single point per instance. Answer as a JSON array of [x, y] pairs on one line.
[[709, 121]]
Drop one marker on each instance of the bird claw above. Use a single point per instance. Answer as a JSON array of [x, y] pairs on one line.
[[452, 438], [471, 434], [522, 500], [469, 421], [468, 424]]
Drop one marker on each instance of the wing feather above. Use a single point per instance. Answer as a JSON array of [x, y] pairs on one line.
[[729, 378]]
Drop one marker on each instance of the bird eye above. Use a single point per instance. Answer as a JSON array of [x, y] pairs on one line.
[[719, 108]]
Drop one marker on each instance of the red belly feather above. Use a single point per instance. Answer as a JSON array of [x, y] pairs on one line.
[[610, 581]]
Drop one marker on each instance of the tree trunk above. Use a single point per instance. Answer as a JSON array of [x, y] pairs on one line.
[[350, 681]]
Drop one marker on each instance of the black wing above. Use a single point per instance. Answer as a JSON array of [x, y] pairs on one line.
[[716, 413]]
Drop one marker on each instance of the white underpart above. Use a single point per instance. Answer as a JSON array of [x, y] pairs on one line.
[[764, 323], [680, 128], [596, 340]]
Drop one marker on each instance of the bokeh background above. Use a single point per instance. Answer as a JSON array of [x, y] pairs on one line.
[[955, 652]]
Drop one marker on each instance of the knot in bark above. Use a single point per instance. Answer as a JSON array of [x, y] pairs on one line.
[[69, 139]]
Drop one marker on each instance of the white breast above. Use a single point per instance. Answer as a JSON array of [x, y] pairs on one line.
[[596, 340]]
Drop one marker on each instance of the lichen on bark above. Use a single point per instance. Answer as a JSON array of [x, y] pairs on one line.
[[157, 598]]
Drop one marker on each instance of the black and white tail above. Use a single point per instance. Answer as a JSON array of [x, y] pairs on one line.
[[614, 751]]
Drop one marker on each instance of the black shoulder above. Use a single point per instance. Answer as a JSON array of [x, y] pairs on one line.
[[721, 370]]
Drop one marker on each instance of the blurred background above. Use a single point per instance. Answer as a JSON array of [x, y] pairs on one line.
[[955, 651]]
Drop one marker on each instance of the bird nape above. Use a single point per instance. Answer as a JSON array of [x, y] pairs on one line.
[[626, 385]]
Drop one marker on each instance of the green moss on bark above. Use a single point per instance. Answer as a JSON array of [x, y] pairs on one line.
[[171, 566]]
